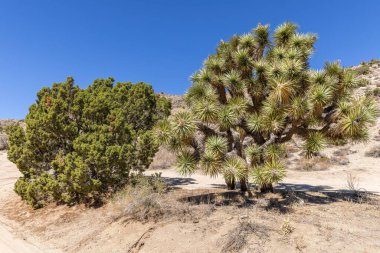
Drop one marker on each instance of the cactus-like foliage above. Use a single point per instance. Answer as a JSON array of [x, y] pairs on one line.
[[255, 93]]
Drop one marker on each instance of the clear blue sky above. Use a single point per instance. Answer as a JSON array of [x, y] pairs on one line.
[[158, 42]]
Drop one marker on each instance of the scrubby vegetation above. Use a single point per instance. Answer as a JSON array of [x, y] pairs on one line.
[[80, 144], [254, 94], [361, 70], [373, 152], [142, 198]]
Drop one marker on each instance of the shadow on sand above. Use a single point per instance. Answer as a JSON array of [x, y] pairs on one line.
[[282, 199]]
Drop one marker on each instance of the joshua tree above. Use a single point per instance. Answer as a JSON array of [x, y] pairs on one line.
[[252, 96]]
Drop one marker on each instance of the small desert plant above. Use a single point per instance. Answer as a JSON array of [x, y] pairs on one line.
[[373, 152], [374, 61], [237, 238], [314, 164], [361, 70], [344, 151], [360, 194], [141, 199], [376, 92], [363, 82], [352, 183], [286, 227], [340, 160]]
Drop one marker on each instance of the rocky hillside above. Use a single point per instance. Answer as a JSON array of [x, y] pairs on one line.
[[3, 137], [370, 73], [177, 101]]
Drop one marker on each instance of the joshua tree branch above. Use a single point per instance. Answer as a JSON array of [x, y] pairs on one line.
[[259, 139]]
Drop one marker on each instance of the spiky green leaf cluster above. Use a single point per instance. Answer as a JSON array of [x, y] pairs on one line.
[[255, 93]]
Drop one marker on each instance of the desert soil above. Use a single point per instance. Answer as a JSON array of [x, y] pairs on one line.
[[10, 240], [291, 222], [365, 170]]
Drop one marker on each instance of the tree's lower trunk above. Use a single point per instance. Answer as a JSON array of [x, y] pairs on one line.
[[230, 184], [266, 188], [243, 185]]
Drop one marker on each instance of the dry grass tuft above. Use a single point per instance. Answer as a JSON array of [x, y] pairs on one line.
[[344, 151], [373, 152], [314, 164], [359, 195], [149, 199], [141, 199], [352, 183], [340, 160], [237, 238]]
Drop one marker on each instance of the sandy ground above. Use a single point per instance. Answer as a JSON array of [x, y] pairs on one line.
[[10, 242], [308, 222], [366, 170]]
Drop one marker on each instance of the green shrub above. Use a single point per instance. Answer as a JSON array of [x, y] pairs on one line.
[[82, 143], [363, 82], [374, 61], [361, 70]]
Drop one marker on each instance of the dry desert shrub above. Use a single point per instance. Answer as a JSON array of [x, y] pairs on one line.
[[286, 227], [352, 183], [149, 199], [314, 164], [363, 82], [340, 160], [339, 156], [142, 199], [359, 195], [237, 237], [344, 151], [373, 152]]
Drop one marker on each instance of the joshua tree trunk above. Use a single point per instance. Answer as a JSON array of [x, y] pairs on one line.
[[266, 188], [230, 184], [243, 185]]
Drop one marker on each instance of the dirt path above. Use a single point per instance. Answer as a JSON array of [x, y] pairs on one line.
[[11, 240], [11, 244]]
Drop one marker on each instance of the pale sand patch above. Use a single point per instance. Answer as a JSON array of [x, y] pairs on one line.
[[11, 240]]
